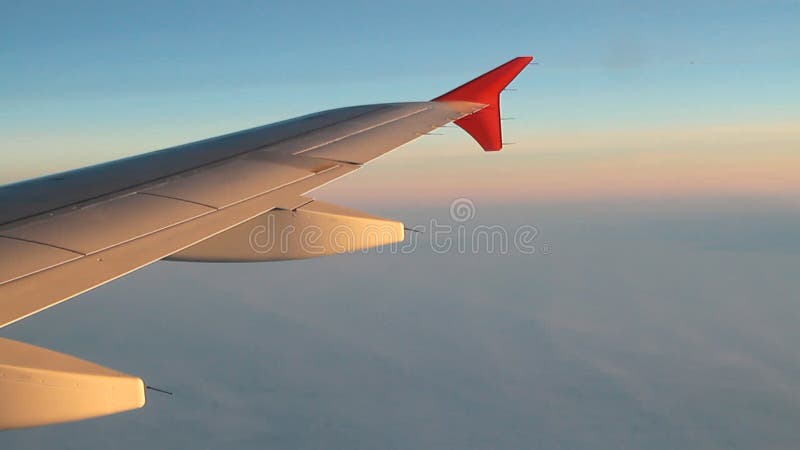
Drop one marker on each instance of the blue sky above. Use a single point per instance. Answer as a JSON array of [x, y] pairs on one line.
[[90, 81]]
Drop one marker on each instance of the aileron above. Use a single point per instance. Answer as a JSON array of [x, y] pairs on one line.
[[371, 143]]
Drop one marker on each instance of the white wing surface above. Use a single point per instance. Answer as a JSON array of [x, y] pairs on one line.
[[65, 234]]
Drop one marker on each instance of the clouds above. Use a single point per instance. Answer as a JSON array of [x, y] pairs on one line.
[[634, 332]]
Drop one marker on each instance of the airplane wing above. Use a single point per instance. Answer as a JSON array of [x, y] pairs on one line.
[[212, 200]]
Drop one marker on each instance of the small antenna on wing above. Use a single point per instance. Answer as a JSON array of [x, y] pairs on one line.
[[158, 390]]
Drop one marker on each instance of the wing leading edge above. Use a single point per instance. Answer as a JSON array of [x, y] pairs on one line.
[[65, 234]]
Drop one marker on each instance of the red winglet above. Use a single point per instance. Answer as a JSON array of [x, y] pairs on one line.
[[484, 125]]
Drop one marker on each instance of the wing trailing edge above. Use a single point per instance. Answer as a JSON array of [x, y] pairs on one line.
[[484, 125]]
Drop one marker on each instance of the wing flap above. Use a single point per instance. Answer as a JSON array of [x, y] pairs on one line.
[[229, 183], [29, 257], [88, 230]]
